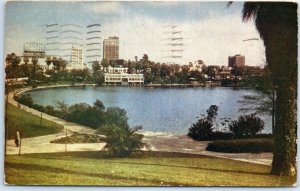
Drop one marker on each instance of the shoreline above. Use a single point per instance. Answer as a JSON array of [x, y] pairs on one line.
[[157, 141]]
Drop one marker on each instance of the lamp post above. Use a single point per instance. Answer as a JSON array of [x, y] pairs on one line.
[[21, 128]]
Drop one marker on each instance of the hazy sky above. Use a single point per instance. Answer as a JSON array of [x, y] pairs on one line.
[[211, 31]]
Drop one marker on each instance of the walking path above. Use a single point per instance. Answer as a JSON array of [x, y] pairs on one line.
[[157, 141]]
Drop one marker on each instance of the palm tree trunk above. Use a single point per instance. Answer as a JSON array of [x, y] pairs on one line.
[[284, 158]]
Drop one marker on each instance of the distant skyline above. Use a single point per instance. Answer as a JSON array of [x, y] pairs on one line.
[[211, 31]]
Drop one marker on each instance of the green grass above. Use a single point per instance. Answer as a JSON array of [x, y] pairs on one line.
[[30, 125], [150, 169]]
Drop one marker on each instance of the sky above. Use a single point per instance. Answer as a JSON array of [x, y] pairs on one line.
[[211, 32]]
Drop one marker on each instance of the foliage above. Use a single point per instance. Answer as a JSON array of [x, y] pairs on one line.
[[246, 126], [242, 146], [79, 138], [212, 112], [98, 77], [277, 24], [25, 99], [202, 130], [121, 141]]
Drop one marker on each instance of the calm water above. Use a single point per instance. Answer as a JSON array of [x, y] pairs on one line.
[[156, 109]]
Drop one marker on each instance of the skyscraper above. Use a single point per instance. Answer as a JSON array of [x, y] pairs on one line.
[[236, 61], [65, 41], [111, 48]]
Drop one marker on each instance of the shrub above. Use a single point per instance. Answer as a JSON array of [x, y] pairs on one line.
[[202, 130], [242, 145], [38, 107], [25, 100], [219, 135], [246, 126], [121, 141]]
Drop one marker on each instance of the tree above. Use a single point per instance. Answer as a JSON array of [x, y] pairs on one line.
[[98, 77], [13, 61], [48, 61], [34, 61], [62, 64], [246, 126], [203, 129], [277, 26], [96, 66], [26, 60], [121, 141]]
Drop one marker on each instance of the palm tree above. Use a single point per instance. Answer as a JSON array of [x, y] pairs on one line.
[[277, 26], [13, 61], [48, 61], [26, 60], [34, 61]]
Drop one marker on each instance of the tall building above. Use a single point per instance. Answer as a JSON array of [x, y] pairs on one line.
[[52, 40], [65, 41], [76, 59], [236, 61], [93, 44], [111, 48]]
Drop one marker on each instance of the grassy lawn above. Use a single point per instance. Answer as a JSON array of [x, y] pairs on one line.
[[31, 125], [149, 169]]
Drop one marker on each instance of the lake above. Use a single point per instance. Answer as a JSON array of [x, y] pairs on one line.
[[171, 110]]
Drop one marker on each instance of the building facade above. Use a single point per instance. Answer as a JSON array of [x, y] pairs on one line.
[[124, 79], [111, 48], [76, 59], [34, 49], [119, 75], [236, 61], [74, 43], [65, 41]]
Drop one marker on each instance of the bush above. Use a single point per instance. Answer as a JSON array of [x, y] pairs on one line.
[[202, 130], [121, 141], [246, 126], [242, 146], [219, 135], [25, 100]]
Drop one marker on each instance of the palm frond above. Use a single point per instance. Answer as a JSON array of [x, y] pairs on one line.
[[250, 10]]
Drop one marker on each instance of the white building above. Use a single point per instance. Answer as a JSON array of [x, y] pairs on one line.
[[119, 70], [124, 79], [119, 75], [76, 59]]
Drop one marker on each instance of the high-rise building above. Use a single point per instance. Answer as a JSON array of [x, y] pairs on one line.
[[111, 48], [65, 41], [76, 59], [93, 44], [52, 40], [236, 61]]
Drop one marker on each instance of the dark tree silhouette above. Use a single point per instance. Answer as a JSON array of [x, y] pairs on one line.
[[276, 23]]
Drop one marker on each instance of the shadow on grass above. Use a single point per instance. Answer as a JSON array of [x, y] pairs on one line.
[[77, 156], [45, 169], [190, 167]]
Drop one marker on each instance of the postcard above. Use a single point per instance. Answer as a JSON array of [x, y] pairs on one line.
[[150, 93]]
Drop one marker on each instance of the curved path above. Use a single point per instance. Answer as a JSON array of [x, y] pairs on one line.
[[157, 141]]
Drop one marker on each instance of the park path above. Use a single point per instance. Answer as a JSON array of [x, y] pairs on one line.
[[157, 141]]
